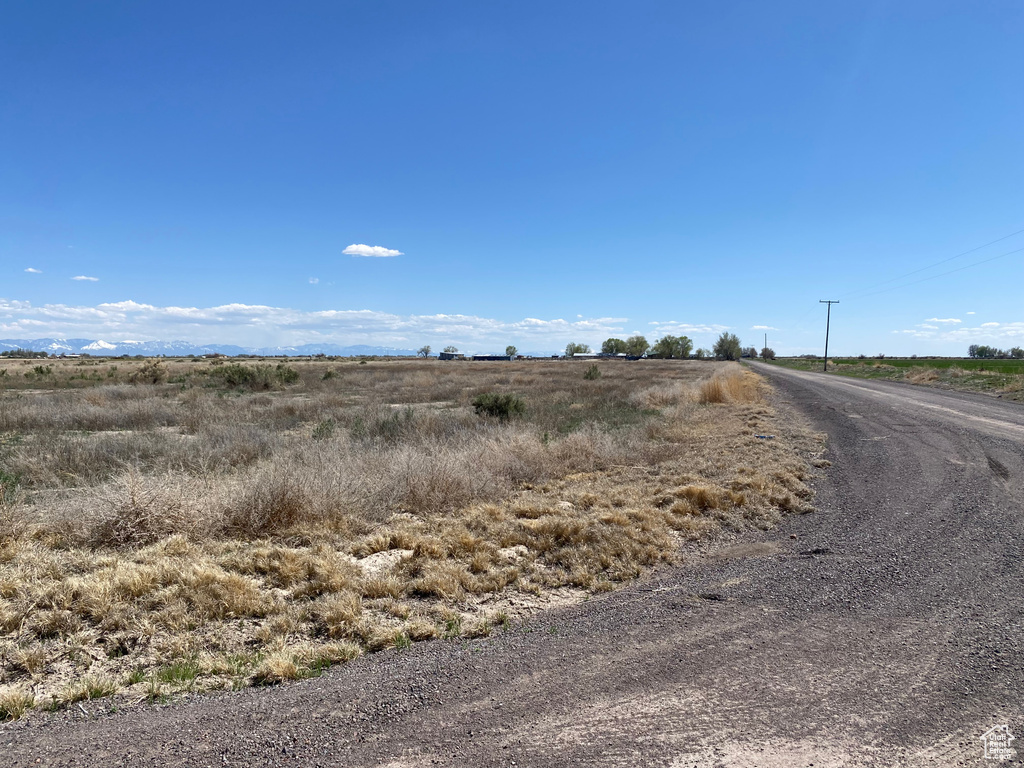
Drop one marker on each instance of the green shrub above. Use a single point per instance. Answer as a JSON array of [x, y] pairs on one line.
[[255, 377], [324, 430], [152, 372], [593, 372], [503, 406], [286, 374]]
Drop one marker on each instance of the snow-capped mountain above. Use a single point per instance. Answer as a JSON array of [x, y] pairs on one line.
[[101, 348]]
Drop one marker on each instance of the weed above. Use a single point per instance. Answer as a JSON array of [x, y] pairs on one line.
[[182, 672], [592, 373], [15, 702], [480, 628], [89, 688], [324, 430], [155, 692], [151, 372], [453, 627], [256, 377], [501, 406], [278, 667]]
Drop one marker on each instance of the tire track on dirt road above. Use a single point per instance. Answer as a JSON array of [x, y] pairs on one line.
[[885, 629]]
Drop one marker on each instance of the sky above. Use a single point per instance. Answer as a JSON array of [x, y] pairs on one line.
[[527, 173]]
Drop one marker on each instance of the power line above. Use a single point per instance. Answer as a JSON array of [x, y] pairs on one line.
[[943, 274], [936, 264]]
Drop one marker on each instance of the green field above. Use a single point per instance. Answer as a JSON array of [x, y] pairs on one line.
[[1004, 378], [965, 363]]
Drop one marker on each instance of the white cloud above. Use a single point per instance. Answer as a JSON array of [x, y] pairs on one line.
[[762, 328], [970, 313], [994, 333], [943, 320], [85, 277], [34, 271], [257, 325], [377, 251], [676, 328], [314, 280]]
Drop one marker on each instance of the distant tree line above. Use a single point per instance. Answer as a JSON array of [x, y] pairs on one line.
[[668, 347], [727, 347], [991, 353], [26, 354]]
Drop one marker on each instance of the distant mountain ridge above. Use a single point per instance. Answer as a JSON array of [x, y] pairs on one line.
[[101, 348]]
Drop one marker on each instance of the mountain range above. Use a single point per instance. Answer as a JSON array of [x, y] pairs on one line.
[[101, 348]]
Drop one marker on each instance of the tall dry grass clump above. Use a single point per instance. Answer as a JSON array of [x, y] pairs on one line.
[[731, 386], [175, 528], [922, 375]]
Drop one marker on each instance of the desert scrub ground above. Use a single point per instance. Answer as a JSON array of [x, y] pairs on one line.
[[193, 525]]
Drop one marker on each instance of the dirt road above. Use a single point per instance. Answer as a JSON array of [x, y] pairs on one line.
[[887, 632]]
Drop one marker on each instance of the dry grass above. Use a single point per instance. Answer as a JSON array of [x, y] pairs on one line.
[[922, 375], [181, 535], [15, 702], [731, 386]]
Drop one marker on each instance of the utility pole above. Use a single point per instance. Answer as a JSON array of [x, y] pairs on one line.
[[828, 319]]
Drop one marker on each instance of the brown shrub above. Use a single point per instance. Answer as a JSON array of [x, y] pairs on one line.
[[273, 501], [731, 386], [136, 510], [337, 614], [922, 375]]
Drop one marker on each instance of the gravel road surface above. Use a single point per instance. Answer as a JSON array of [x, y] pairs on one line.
[[884, 629]]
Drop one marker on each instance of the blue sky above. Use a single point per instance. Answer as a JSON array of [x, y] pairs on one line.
[[544, 172]]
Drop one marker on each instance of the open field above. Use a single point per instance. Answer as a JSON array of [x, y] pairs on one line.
[[193, 525], [1004, 378]]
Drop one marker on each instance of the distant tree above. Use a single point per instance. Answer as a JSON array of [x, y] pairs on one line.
[[423, 351], [672, 346], [613, 347], [637, 346], [576, 349], [701, 353], [750, 352], [511, 351], [988, 353], [728, 347], [27, 354], [767, 353], [451, 349]]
